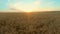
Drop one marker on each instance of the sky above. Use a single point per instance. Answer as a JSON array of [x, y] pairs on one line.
[[30, 5]]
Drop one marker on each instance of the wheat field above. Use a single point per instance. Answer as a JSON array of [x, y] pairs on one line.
[[32, 23]]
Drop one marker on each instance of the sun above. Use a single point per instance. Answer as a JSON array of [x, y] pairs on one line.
[[27, 11], [26, 8]]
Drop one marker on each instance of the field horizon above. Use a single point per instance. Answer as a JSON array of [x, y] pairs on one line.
[[30, 23]]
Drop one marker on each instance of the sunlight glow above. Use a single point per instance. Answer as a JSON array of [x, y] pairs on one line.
[[26, 7]]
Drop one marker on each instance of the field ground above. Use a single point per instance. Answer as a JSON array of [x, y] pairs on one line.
[[30, 23]]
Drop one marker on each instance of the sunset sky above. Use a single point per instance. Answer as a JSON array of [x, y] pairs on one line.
[[30, 5]]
